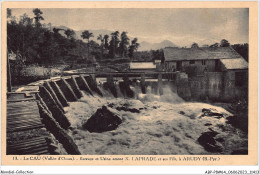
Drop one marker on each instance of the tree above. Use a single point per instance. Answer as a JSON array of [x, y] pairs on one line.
[[87, 35], [242, 49], [10, 19], [9, 13], [25, 20], [106, 37], [38, 17], [123, 44], [69, 33], [25, 24], [50, 48], [101, 38], [195, 45], [113, 45], [133, 47], [224, 43], [158, 55]]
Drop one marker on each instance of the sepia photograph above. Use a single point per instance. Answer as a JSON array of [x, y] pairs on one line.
[[127, 81], [128, 84]]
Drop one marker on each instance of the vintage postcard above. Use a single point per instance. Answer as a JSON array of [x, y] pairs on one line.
[[129, 83]]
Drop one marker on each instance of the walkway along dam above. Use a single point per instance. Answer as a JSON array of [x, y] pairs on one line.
[[55, 116]]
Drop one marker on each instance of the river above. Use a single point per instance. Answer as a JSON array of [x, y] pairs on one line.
[[166, 125]]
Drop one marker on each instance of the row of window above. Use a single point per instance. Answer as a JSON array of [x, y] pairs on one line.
[[203, 62], [193, 62]]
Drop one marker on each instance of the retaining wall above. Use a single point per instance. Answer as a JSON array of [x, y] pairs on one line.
[[216, 86]]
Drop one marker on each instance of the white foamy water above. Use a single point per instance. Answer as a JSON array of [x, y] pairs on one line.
[[165, 125]]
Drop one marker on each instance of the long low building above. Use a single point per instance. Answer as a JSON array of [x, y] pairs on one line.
[[142, 67], [195, 61]]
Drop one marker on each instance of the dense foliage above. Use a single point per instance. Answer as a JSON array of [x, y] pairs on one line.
[[242, 49], [39, 43]]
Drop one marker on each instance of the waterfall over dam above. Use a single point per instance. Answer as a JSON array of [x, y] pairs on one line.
[[155, 118]]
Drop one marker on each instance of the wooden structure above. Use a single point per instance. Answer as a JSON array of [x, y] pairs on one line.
[[26, 134]]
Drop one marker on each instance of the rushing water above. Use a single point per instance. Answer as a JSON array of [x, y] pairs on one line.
[[165, 125]]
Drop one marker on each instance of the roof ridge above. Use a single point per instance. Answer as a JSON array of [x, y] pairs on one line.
[[200, 53]]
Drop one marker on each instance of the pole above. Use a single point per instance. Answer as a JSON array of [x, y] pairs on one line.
[[9, 86]]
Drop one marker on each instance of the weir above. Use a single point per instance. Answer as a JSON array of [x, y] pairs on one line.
[[37, 109], [52, 95]]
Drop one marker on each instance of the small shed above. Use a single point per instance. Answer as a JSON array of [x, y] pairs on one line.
[[237, 70]]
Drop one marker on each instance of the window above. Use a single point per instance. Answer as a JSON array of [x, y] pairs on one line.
[[203, 62], [192, 62]]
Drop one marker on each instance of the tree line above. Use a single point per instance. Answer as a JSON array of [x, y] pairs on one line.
[[36, 42], [119, 45], [223, 43], [242, 49]]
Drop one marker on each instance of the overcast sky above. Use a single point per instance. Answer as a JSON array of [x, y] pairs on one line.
[[181, 26]]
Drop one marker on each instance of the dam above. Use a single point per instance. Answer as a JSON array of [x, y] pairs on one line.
[[50, 117]]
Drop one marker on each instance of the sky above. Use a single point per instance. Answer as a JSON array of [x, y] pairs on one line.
[[181, 26]]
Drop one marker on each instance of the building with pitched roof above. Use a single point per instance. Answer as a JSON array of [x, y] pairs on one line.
[[218, 73], [195, 61]]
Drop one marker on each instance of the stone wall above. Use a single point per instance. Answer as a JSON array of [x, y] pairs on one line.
[[215, 86]]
